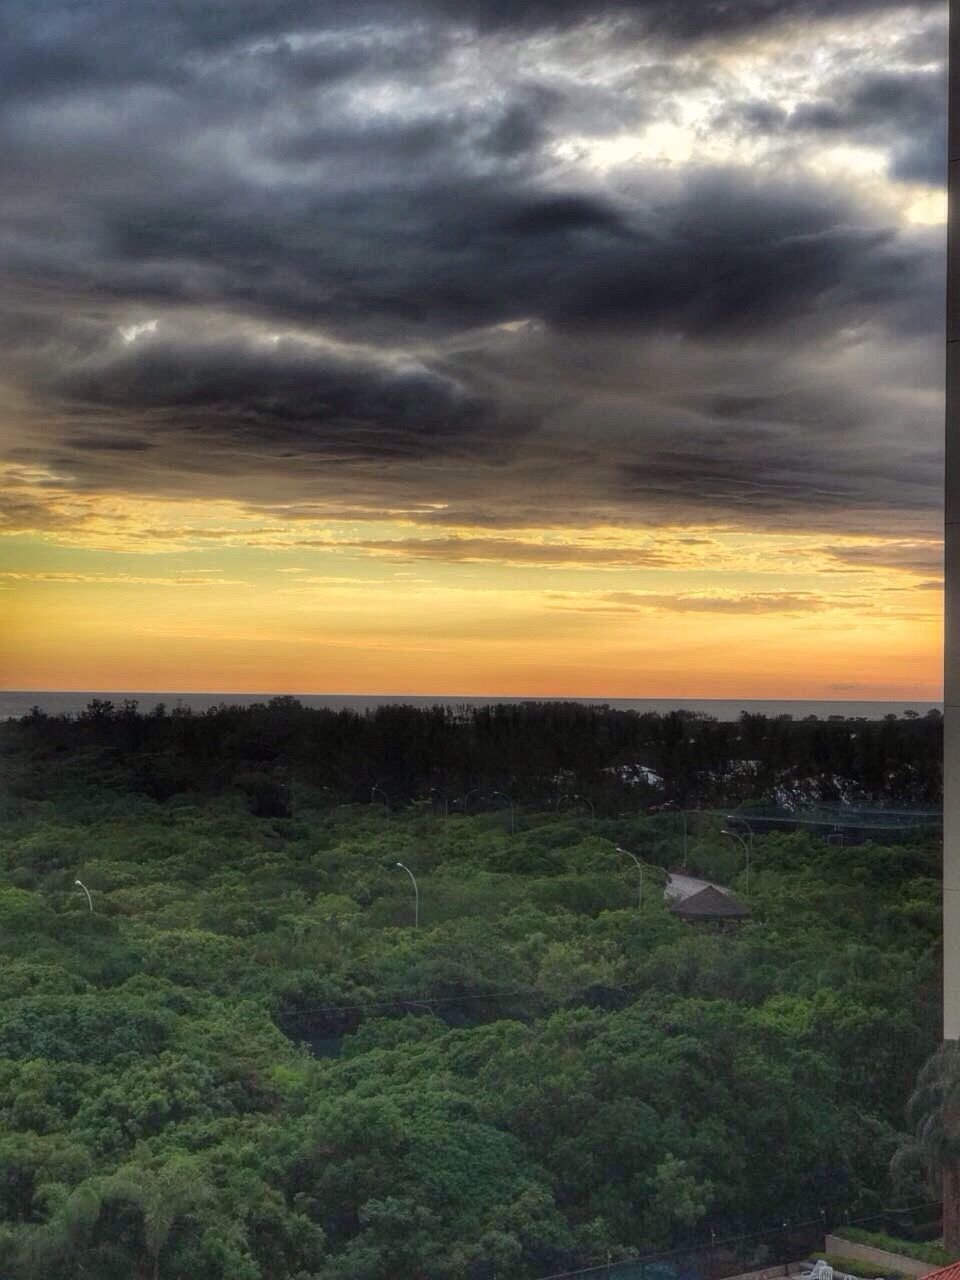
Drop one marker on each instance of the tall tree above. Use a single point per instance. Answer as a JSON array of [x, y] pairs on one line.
[[934, 1145]]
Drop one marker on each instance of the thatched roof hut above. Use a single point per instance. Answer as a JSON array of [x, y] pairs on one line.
[[710, 904]]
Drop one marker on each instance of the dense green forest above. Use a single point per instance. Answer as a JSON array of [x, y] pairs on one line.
[[246, 1063]]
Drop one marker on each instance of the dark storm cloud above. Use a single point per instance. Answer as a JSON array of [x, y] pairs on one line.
[[49, 46], [686, 20], [723, 254], [878, 99], [726, 256], [109, 444], [376, 223], [288, 396], [900, 109], [780, 478], [386, 176], [908, 108]]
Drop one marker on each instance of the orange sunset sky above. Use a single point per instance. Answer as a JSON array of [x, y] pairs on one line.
[[158, 595]]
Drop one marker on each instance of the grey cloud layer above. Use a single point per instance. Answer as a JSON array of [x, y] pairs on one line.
[[278, 395], [50, 44], [689, 20], [522, 338], [902, 111]]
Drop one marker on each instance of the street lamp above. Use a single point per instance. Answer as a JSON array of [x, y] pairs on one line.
[[86, 891], [640, 869], [674, 807], [593, 811], [735, 835], [386, 799], [466, 799], [513, 822], [435, 791], [416, 894]]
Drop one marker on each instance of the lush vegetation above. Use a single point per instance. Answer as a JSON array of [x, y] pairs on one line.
[[246, 1063], [865, 1270], [923, 1251]]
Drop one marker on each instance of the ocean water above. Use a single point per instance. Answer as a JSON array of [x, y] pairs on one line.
[[17, 702]]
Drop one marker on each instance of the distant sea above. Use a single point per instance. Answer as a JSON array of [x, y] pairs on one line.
[[17, 702]]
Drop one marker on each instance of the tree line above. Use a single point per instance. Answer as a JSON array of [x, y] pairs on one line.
[[539, 753]]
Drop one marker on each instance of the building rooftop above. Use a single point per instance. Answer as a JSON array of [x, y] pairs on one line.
[[711, 904], [945, 1273]]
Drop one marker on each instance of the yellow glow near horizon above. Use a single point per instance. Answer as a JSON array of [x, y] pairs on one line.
[[124, 593]]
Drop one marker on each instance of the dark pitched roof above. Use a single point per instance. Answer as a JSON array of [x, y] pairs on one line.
[[710, 904]]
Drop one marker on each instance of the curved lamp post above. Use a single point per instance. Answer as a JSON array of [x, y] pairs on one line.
[[673, 807], [593, 810], [562, 800], [86, 891], [640, 869], [386, 799], [503, 796], [416, 894], [735, 835]]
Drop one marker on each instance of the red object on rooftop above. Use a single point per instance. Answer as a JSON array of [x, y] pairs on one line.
[[945, 1273]]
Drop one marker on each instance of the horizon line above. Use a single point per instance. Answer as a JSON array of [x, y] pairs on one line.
[[513, 697]]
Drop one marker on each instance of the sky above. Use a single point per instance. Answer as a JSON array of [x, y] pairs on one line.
[[581, 347]]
